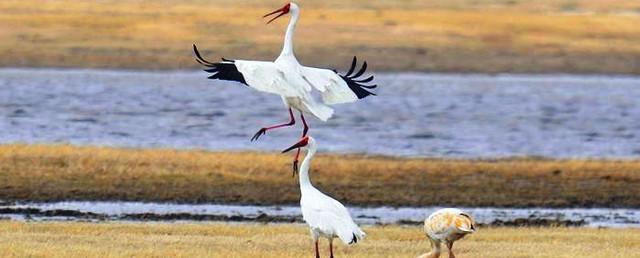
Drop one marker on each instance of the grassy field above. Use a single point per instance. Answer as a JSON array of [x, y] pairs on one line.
[[587, 36], [19, 239], [62, 172]]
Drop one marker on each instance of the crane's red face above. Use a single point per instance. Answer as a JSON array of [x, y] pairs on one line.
[[300, 144], [284, 10]]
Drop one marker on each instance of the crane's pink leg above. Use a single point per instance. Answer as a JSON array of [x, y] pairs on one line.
[[317, 251], [264, 130], [304, 133], [331, 248], [306, 127]]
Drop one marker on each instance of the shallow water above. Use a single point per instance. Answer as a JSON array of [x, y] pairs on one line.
[[592, 217], [413, 114]]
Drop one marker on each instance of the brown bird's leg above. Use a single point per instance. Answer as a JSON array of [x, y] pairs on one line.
[[264, 130], [435, 250], [304, 133], [450, 247], [317, 252], [331, 247]]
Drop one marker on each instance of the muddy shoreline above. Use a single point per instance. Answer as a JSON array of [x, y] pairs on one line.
[[564, 205], [172, 212], [70, 215]]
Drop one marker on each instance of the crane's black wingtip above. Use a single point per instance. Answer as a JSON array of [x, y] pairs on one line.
[[225, 70], [355, 83], [195, 50], [200, 59]]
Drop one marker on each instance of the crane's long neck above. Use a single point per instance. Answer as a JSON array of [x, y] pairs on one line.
[[304, 169], [287, 48]]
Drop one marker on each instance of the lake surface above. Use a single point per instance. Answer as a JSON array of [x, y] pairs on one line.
[[435, 115], [591, 217]]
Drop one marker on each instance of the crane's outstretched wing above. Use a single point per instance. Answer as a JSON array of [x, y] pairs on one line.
[[260, 75], [337, 88]]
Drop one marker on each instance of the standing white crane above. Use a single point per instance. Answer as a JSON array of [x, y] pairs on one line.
[[292, 81], [447, 226], [325, 216]]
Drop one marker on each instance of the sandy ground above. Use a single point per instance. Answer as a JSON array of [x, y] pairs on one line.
[[60, 239]]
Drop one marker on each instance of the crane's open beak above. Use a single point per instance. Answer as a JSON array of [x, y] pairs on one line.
[[300, 144], [284, 10]]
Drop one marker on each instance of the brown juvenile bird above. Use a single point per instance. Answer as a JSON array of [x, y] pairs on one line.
[[447, 226]]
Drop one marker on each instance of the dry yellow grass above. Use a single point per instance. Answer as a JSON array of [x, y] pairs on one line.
[[19, 239], [60, 172], [590, 36]]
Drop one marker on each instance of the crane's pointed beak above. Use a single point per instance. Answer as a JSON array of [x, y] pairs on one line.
[[300, 144], [282, 11]]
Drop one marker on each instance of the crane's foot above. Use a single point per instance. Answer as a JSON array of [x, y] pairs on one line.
[[260, 132]]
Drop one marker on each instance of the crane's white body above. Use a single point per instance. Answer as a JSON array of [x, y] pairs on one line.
[[447, 226], [294, 82], [325, 216]]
